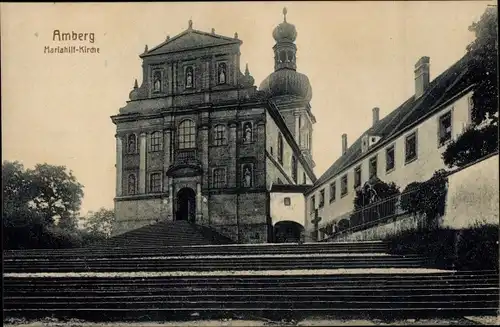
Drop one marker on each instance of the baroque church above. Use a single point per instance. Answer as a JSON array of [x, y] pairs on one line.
[[198, 140]]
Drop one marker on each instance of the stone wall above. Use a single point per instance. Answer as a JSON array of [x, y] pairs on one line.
[[473, 195], [378, 232]]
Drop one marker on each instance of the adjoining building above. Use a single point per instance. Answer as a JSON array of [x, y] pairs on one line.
[[403, 147], [197, 141]]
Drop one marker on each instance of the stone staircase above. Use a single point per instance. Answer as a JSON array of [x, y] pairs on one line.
[[177, 233], [275, 281]]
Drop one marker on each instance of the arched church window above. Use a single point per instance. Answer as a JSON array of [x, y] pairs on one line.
[[220, 135], [132, 143], [157, 81], [222, 73], [131, 184], [187, 134], [247, 175], [247, 132], [155, 142], [282, 56], [189, 77]]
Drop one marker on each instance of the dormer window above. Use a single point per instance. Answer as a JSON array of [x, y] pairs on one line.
[[189, 77], [157, 81], [222, 73]]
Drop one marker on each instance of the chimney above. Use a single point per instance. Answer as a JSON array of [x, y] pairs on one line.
[[376, 114], [422, 76], [344, 143]]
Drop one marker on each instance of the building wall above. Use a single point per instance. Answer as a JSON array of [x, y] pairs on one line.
[[133, 214], [274, 168], [473, 195], [428, 161], [281, 212]]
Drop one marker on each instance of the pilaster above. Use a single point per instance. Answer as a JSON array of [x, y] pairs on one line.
[[142, 163], [119, 165]]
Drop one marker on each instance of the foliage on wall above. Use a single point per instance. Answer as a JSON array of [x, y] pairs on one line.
[[427, 198], [471, 145], [375, 200]]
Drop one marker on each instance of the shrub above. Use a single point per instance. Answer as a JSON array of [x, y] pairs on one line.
[[473, 248]]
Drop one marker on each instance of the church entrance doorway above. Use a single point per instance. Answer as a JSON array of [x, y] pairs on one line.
[[186, 205]]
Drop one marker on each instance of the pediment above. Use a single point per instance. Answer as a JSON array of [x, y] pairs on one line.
[[191, 39]]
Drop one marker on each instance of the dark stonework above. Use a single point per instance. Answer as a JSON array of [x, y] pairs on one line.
[[202, 82]]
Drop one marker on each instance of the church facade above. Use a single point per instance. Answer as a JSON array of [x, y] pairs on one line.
[[198, 141]]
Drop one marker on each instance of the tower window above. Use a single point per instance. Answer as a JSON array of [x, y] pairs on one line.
[[282, 56], [155, 183], [155, 142], [280, 149], [294, 169], [187, 134], [220, 135]]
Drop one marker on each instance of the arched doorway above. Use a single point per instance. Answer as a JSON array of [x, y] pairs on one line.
[[186, 205], [288, 232]]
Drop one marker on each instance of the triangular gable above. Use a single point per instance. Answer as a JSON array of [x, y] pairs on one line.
[[190, 39]]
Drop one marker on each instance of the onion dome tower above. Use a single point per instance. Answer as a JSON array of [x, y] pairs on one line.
[[285, 80]]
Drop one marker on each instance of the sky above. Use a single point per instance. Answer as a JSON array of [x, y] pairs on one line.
[[358, 55]]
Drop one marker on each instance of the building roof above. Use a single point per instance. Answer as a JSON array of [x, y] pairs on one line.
[[190, 39], [442, 89]]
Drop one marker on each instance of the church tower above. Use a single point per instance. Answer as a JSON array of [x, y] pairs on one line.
[[290, 90]]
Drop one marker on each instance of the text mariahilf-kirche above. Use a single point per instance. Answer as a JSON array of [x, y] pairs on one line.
[[71, 49]]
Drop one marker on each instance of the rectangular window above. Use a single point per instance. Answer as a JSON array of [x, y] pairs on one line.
[[444, 128], [373, 166], [357, 176], [304, 179], [220, 135], [389, 158], [411, 147], [333, 191], [313, 203], [287, 201], [155, 183], [321, 198], [155, 142], [343, 185], [219, 178]]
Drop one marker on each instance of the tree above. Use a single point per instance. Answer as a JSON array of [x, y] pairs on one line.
[[56, 193], [100, 223], [32, 199], [481, 138], [484, 53]]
